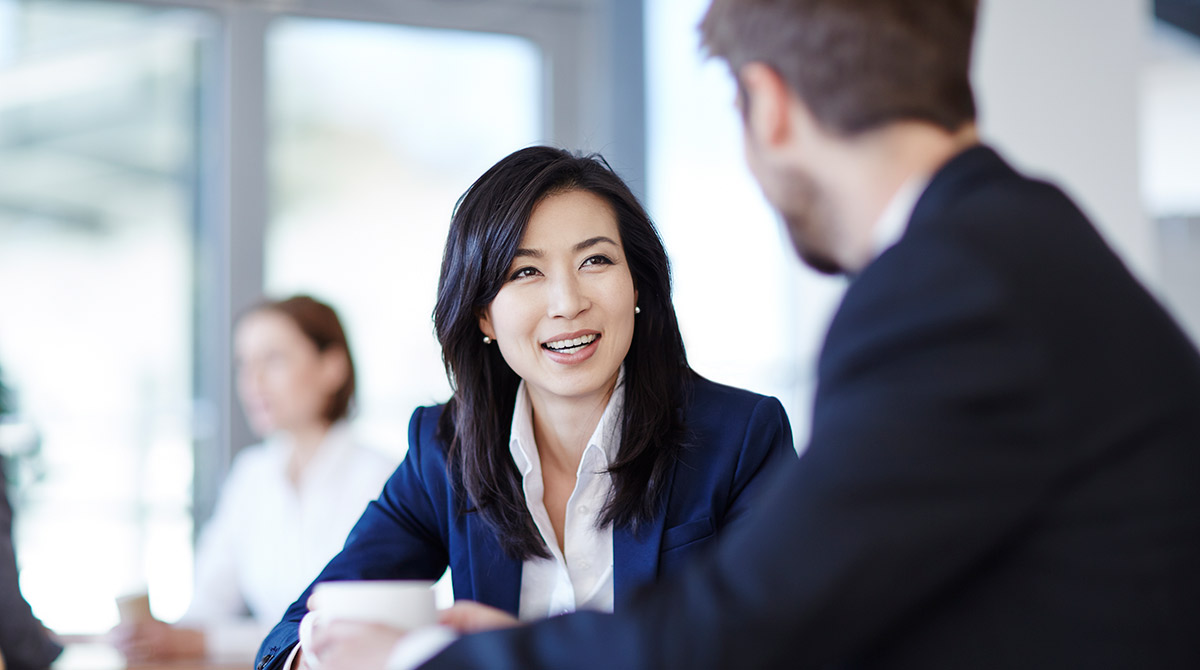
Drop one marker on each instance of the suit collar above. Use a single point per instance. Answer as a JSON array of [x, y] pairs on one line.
[[635, 560], [959, 174]]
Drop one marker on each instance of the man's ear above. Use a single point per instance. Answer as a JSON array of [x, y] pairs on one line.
[[766, 108]]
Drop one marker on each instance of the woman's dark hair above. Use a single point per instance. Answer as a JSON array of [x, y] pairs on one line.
[[485, 232], [321, 325]]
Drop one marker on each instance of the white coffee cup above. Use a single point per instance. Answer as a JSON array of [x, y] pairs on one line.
[[134, 608], [403, 604]]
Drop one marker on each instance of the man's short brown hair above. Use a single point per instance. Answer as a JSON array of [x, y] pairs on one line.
[[856, 64]]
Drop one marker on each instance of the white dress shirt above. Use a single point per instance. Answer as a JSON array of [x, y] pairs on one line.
[[893, 221], [581, 575], [578, 577], [267, 539]]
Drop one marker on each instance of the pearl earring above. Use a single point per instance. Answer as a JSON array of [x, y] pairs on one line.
[[637, 310], [487, 340]]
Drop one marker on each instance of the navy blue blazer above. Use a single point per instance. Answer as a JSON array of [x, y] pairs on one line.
[[1004, 472], [413, 531]]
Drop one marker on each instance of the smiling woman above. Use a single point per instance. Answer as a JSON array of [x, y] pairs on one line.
[[579, 457], [564, 320]]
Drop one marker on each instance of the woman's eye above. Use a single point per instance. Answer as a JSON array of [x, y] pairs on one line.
[[522, 273], [598, 260]]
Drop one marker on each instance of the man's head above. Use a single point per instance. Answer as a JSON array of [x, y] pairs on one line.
[[839, 69], [856, 64]]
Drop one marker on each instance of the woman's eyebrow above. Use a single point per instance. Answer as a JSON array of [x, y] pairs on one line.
[[589, 242], [593, 241]]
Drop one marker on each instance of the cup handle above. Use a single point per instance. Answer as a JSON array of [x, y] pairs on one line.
[[310, 621]]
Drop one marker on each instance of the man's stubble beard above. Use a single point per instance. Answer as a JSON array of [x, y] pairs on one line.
[[810, 223]]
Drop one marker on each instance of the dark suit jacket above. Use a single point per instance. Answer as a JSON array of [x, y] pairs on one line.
[[1004, 472], [23, 642], [413, 530]]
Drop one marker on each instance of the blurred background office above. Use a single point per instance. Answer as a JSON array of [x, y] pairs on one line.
[[164, 163]]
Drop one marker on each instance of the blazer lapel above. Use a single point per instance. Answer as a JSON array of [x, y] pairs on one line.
[[496, 576], [635, 556]]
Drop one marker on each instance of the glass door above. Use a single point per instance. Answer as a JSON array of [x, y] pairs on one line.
[[375, 131], [98, 137]]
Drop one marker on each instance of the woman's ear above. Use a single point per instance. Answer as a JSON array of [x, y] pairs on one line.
[[485, 323]]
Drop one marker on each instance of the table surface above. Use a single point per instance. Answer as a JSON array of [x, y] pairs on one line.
[[92, 655]]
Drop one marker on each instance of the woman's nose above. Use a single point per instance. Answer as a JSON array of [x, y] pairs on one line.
[[566, 299], [250, 377]]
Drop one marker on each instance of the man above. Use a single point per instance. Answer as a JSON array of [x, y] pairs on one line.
[[1004, 469], [24, 643]]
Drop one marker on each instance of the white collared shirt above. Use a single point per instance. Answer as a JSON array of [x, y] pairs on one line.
[[892, 223], [581, 575], [268, 539]]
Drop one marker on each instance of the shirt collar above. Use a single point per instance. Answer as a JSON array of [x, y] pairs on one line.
[[605, 438], [892, 223]]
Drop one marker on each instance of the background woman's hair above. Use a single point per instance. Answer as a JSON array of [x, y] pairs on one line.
[[485, 231], [321, 325]]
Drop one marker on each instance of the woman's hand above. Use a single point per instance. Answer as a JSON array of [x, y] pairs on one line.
[[353, 645], [468, 616], [152, 641]]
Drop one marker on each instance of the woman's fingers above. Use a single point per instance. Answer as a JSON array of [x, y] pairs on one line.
[[467, 616], [353, 645]]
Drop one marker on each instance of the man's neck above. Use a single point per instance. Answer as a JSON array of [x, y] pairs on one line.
[[874, 167]]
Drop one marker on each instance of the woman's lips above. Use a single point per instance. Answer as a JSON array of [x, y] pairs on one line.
[[571, 350]]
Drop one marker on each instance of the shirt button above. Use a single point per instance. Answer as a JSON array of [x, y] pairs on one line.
[[584, 565], [583, 509], [565, 611]]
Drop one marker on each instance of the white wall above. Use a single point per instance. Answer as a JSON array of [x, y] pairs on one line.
[[1058, 89], [1170, 124]]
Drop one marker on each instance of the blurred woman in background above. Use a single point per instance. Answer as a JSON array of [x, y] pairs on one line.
[[288, 503]]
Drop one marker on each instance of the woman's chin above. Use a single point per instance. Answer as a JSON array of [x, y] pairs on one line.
[[264, 427]]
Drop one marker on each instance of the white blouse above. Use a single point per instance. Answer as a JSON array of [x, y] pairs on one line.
[[581, 575], [268, 540]]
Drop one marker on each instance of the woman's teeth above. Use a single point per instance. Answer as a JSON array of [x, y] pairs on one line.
[[570, 346]]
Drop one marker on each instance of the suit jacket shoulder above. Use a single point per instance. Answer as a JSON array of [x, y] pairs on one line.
[[1001, 473]]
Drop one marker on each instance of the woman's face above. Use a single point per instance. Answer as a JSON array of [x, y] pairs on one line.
[[284, 382], [564, 317]]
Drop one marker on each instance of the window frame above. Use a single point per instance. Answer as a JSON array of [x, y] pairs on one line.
[[593, 56]]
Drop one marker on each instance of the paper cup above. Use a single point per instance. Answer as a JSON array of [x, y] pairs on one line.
[[134, 607], [401, 604]]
